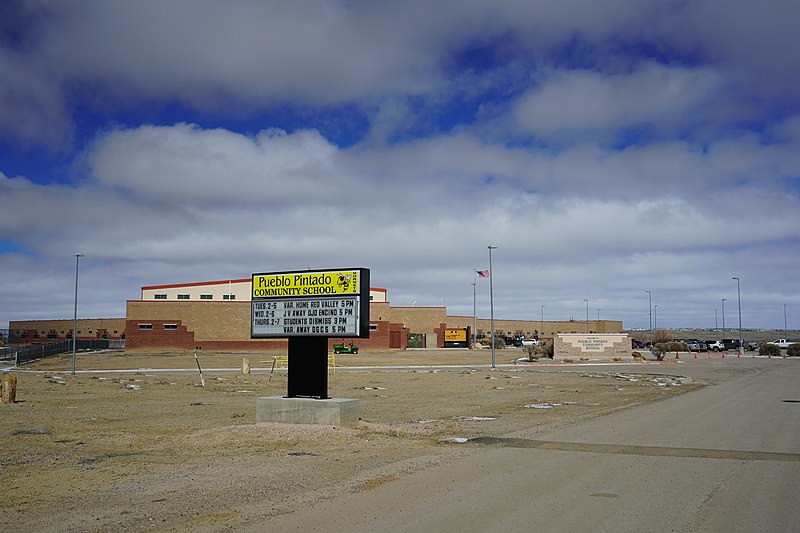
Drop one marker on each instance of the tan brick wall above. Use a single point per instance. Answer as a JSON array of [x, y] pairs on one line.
[[418, 319], [219, 326], [208, 320], [37, 331], [527, 327]]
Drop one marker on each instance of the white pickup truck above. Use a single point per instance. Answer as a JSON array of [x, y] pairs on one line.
[[782, 343]]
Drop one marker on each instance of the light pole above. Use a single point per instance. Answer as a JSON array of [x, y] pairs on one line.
[[75, 315], [650, 308], [785, 324], [723, 316], [739, 296], [541, 331], [587, 314], [491, 298], [655, 316]]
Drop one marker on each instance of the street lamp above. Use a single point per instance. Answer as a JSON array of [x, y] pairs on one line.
[[491, 298], [650, 308], [723, 316], [655, 317], [75, 315], [739, 295], [587, 314], [541, 331], [785, 325]]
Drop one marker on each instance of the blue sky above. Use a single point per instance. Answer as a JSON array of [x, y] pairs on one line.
[[606, 149]]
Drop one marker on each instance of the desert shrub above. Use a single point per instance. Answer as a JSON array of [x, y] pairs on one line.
[[568, 360], [545, 349], [584, 358], [499, 343], [769, 349], [616, 358], [637, 355], [793, 350], [663, 348]]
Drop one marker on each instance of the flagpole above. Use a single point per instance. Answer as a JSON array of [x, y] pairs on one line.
[[491, 298], [474, 312]]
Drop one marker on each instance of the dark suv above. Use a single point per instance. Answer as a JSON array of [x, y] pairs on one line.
[[730, 344]]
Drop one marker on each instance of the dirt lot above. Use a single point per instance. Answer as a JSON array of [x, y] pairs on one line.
[[156, 451]]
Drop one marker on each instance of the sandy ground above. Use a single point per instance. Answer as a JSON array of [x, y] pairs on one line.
[[156, 451]]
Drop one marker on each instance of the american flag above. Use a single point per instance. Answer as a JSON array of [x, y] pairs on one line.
[[483, 273]]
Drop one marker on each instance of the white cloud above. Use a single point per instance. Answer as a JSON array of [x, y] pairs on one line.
[[199, 167], [247, 55], [580, 102]]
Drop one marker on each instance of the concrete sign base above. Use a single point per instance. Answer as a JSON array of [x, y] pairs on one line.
[[331, 411]]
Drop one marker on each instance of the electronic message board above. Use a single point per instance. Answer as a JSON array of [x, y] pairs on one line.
[[318, 303]]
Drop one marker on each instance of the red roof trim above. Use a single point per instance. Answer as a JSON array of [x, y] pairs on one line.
[[199, 283]]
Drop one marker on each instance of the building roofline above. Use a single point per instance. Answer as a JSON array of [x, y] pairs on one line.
[[199, 283]]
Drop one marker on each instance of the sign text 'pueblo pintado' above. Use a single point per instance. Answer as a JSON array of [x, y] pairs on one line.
[[306, 283], [327, 303]]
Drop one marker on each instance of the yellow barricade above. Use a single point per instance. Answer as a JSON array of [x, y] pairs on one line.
[[278, 361]]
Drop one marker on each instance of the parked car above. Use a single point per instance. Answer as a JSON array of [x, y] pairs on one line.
[[513, 341], [782, 343], [696, 345], [636, 343], [530, 342], [715, 346], [730, 344]]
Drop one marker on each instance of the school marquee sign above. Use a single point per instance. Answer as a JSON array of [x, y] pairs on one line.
[[321, 303]]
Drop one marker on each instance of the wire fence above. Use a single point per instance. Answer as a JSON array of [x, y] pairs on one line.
[[22, 354]]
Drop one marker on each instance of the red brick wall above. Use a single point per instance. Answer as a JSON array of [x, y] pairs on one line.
[[158, 337]]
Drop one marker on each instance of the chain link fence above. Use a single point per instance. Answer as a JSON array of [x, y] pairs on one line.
[[22, 354]]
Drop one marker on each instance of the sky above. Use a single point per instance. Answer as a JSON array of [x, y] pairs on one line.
[[605, 148]]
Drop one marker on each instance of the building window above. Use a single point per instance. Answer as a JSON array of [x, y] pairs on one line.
[[183, 297], [373, 327], [160, 297], [229, 297], [171, 326], [205, 297], [143, 326]]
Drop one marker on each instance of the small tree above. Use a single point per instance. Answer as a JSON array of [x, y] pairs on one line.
[[530, 349], [661, 336], [793, 350]]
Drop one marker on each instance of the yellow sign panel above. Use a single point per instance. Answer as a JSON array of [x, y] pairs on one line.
[[455, 335], [306, 283]]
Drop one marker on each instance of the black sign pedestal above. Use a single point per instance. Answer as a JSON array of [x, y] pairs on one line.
[[308, 367]]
